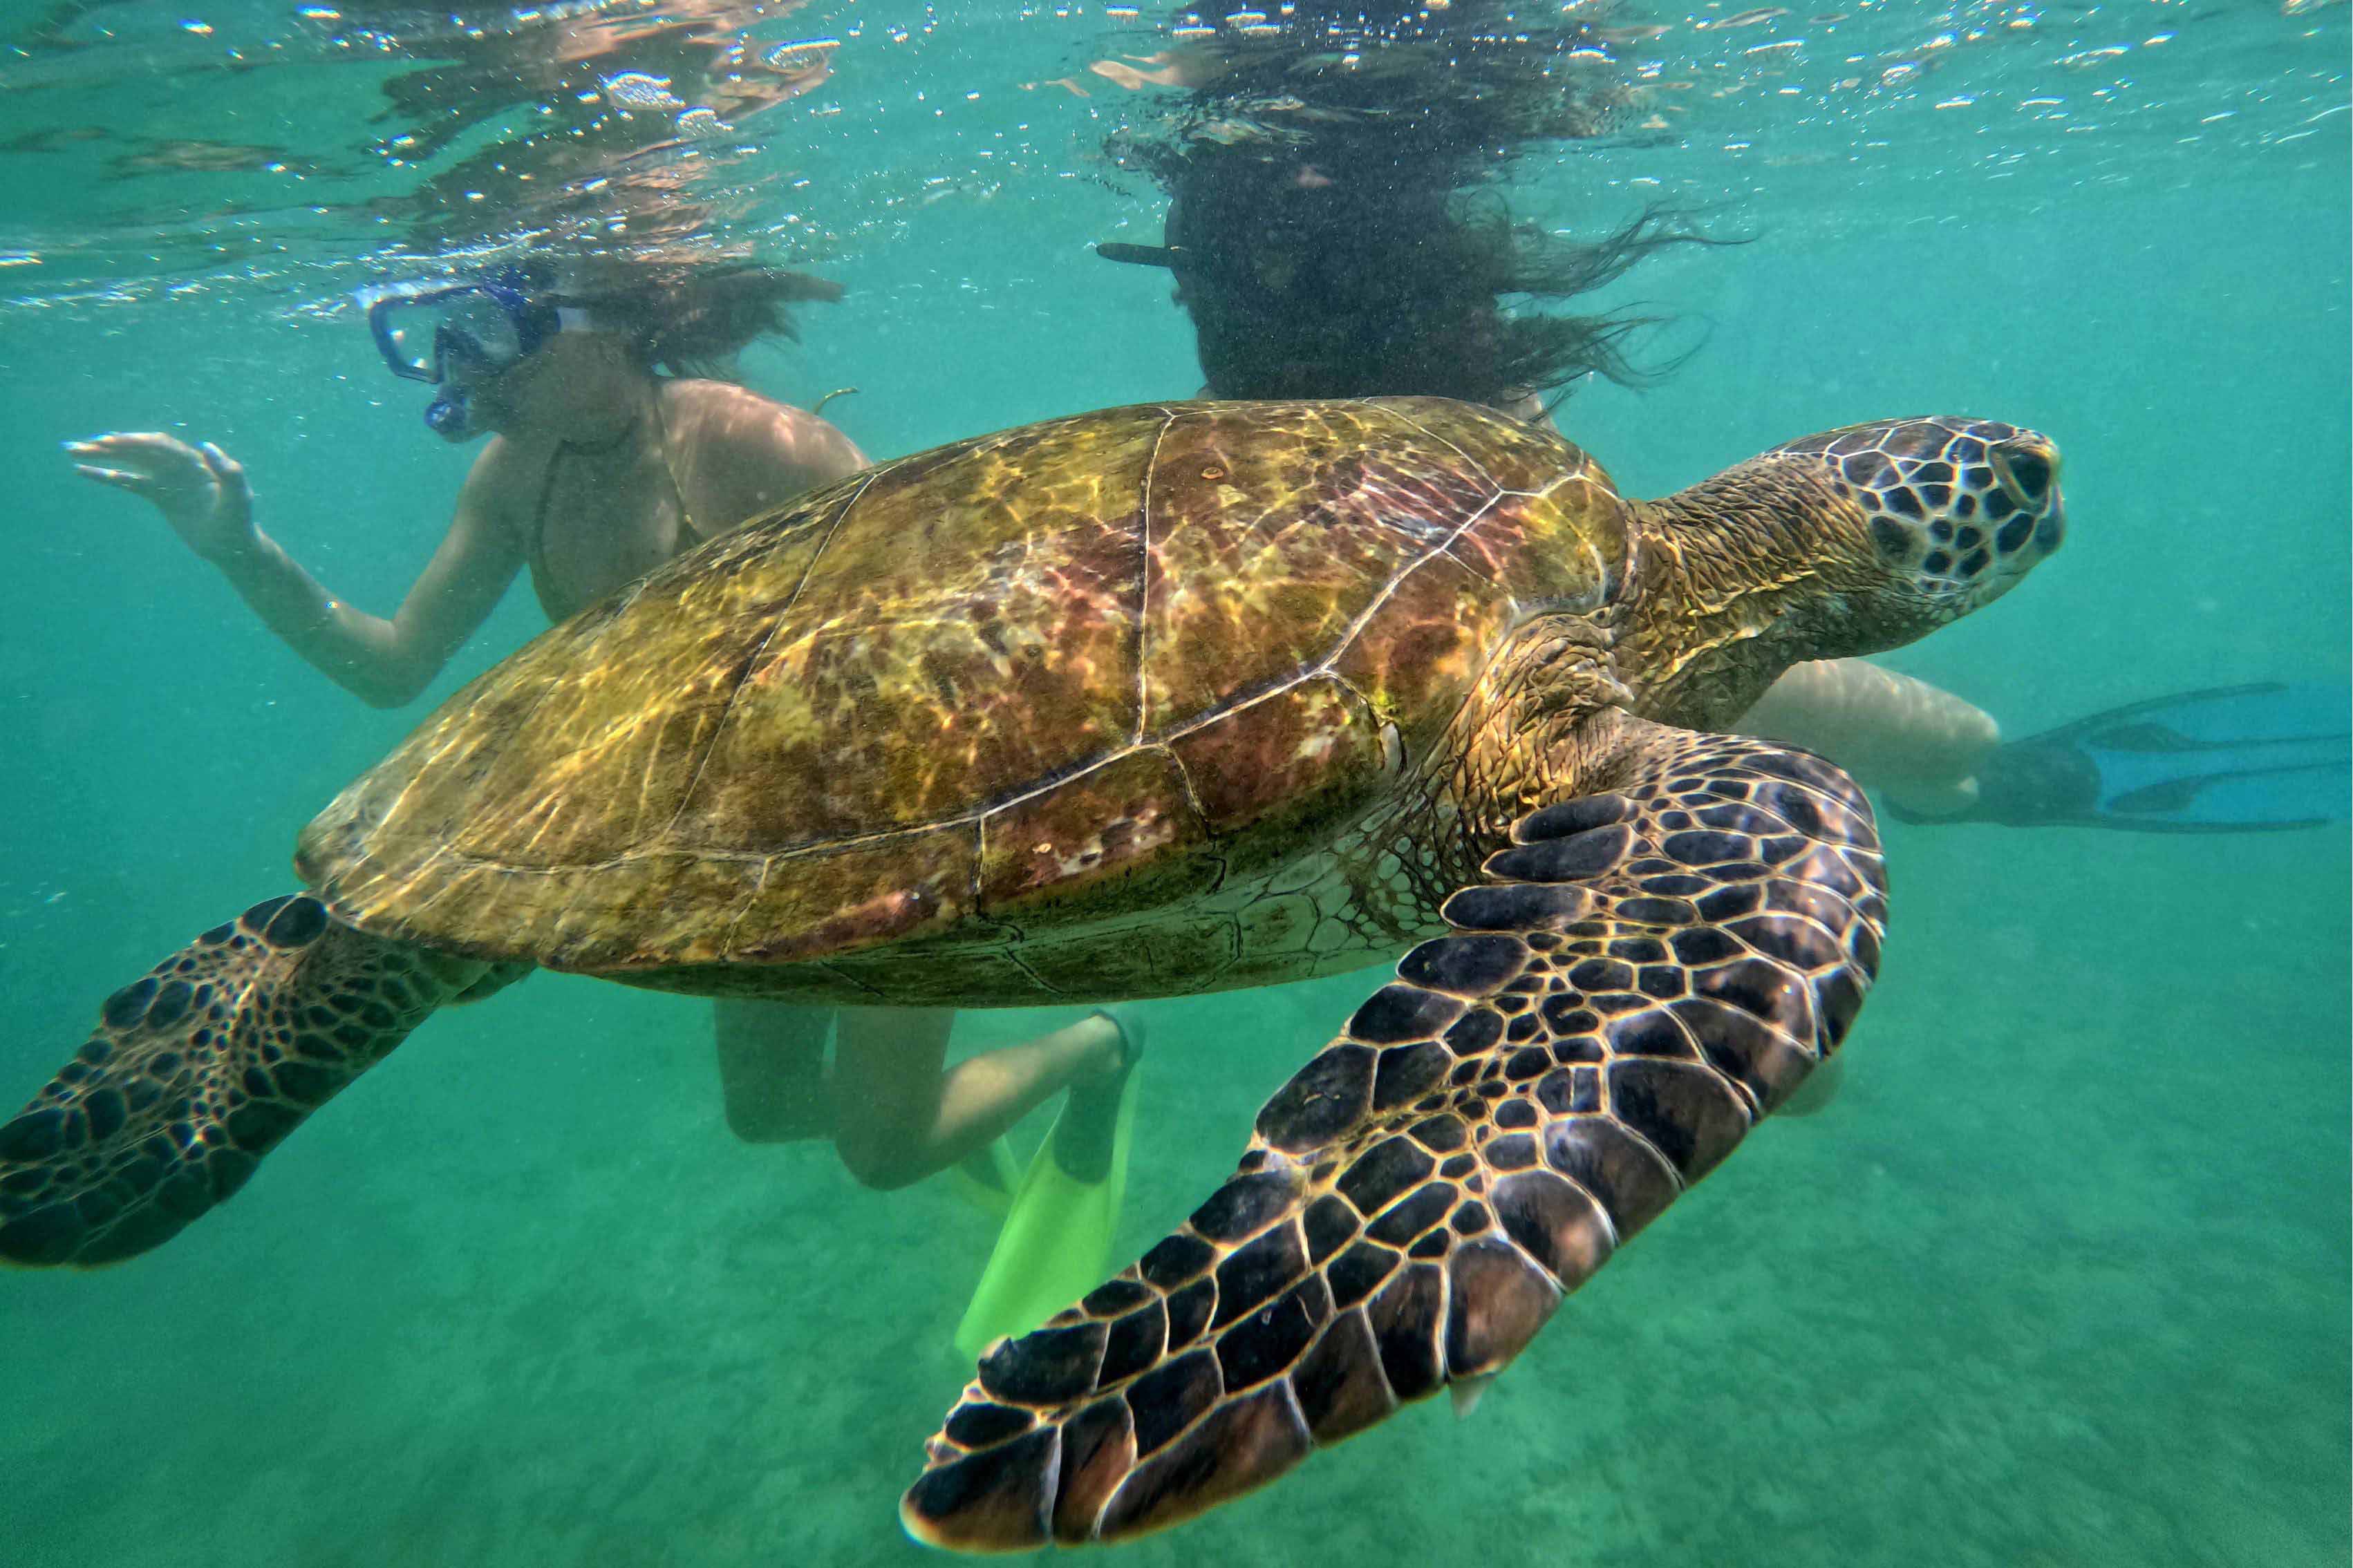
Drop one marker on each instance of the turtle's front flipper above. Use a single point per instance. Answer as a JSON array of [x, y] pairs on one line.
[[1640, 977], [196, 1072]]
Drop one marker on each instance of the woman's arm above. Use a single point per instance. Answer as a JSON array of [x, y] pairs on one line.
[[1917, 740], [208, 502]]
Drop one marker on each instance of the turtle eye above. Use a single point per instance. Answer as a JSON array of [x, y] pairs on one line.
[[2024, 472]]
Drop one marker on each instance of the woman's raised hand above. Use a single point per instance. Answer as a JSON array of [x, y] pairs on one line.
[[202, 492]]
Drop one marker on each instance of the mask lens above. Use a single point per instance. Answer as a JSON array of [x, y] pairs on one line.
[[477, 328], [406, 339], [418, 336]]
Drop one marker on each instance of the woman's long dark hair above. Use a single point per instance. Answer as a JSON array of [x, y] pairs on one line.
[[1332, 224], [692, 318]]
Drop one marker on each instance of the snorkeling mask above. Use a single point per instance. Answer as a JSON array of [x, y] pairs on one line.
[[487, 324]]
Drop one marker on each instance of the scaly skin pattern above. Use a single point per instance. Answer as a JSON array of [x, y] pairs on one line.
[[1853, 540], [1003, 705], [1633, 980], [199, 1068]]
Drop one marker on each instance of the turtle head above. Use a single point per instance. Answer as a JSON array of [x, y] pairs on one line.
[[1848, 543], [1953, 513]]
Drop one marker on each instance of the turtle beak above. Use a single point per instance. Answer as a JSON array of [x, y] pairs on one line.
[[2027, 468], [2052, 532]]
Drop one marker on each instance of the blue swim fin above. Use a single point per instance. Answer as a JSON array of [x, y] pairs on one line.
[[2230, 759]]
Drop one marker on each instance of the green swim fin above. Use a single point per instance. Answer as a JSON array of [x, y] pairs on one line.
[[2232, 759], [1055, 1245]]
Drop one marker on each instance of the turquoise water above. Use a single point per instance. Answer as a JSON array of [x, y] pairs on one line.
[[2061, 1277]]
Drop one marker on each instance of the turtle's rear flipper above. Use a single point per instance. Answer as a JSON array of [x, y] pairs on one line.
[[1640, 977], [196, 1072]]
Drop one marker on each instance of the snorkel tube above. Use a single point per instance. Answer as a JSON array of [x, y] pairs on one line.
[[1168, 255], [457, 365], [450, 416]]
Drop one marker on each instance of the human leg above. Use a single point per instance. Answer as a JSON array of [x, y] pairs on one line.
[[771, 1069], [1057, 1234], [902, 1114]]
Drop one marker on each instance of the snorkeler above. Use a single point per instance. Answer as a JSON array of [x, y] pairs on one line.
[[612, 448], [600, 467]]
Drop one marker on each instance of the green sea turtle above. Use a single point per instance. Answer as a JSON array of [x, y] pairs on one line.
[[1148, 702]]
